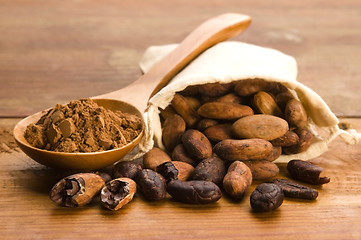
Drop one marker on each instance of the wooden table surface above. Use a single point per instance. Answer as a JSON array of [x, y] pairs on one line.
[[55, 51]]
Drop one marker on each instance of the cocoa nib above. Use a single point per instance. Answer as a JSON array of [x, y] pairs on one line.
[[295, 190], [306, 172]]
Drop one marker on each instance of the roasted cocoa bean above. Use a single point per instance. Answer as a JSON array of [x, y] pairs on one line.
[[289, 139], [184, 109], [194, 191], [266, 104], [173, 128], [263, 169], [262, 126], [306, 172], [196, 144], [243, 150], [151, 184], [296, 114], [250, 86], [215, 89], [219, 132], [210, 169], [224, 111], [185, 170], [206, 123], [76, 190], [295, 190], [117, 193], [168, 171], [153, 158], [180, 154], [304, 142], [126, 169], [266, 197], [237, 180]]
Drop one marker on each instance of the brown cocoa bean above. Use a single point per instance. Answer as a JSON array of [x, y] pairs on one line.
[[206, 123], [224, 111], [229, 98], [296, 114], [151, 184], [266, 197], [190, 90], [262, 170], [210, 169], [196, 144], [155, 157], [215, 89], [180, 154], [283, 98], [246, 149], [173, 128], [262, 126], [185, 170], [219, 132], [167, 112], [126, 169], [237, 180], [117, 193], [250, 86], [184, 109], [290, 138], [306, 172], [196, 192], [193, 102], [305, 139], [265, 104]]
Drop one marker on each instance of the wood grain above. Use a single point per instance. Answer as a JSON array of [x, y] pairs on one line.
[[55, 51], [25, 207]]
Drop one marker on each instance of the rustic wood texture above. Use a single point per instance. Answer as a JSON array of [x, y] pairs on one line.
[[26, 212], [55, 51]]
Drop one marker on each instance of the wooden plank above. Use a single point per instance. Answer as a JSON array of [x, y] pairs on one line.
[[25, 207], [52, 52]]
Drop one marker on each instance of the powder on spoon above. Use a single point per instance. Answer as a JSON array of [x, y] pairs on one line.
[[83, 126]]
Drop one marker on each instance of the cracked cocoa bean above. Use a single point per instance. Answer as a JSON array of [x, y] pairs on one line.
[[117, 193], [210, 169], [127, 169], [76, 190], [295, 190], [151, 184], [168, 171], [195, 191], [266, 197], [306, 172]]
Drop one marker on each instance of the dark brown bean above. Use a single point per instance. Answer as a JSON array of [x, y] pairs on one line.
[[126, 169], [151, 184], [295, 190], [305, 139], [168, 171], [266, 197], [215, 89], [289, 139], [306, 172], [173, 128], [210, 169], [194, 191]]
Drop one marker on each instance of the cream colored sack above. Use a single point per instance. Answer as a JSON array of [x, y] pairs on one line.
[[233, 61]]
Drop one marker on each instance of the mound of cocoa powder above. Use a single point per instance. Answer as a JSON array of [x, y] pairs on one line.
[[83, 126]]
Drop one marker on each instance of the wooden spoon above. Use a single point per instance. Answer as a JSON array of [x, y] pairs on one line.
[[206, 35]]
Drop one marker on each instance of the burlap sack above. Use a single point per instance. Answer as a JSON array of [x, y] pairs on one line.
[[233, 61]]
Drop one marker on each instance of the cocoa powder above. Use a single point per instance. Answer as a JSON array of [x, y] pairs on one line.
[[83, 126]]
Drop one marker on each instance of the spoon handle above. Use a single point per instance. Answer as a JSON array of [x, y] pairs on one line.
[[206, 35]]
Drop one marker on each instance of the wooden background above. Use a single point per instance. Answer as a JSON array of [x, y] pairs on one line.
[[55, 51]]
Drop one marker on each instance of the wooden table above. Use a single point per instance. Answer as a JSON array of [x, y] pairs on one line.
[[55, 51]]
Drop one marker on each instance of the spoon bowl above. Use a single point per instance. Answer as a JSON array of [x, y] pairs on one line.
[[84, 161]]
